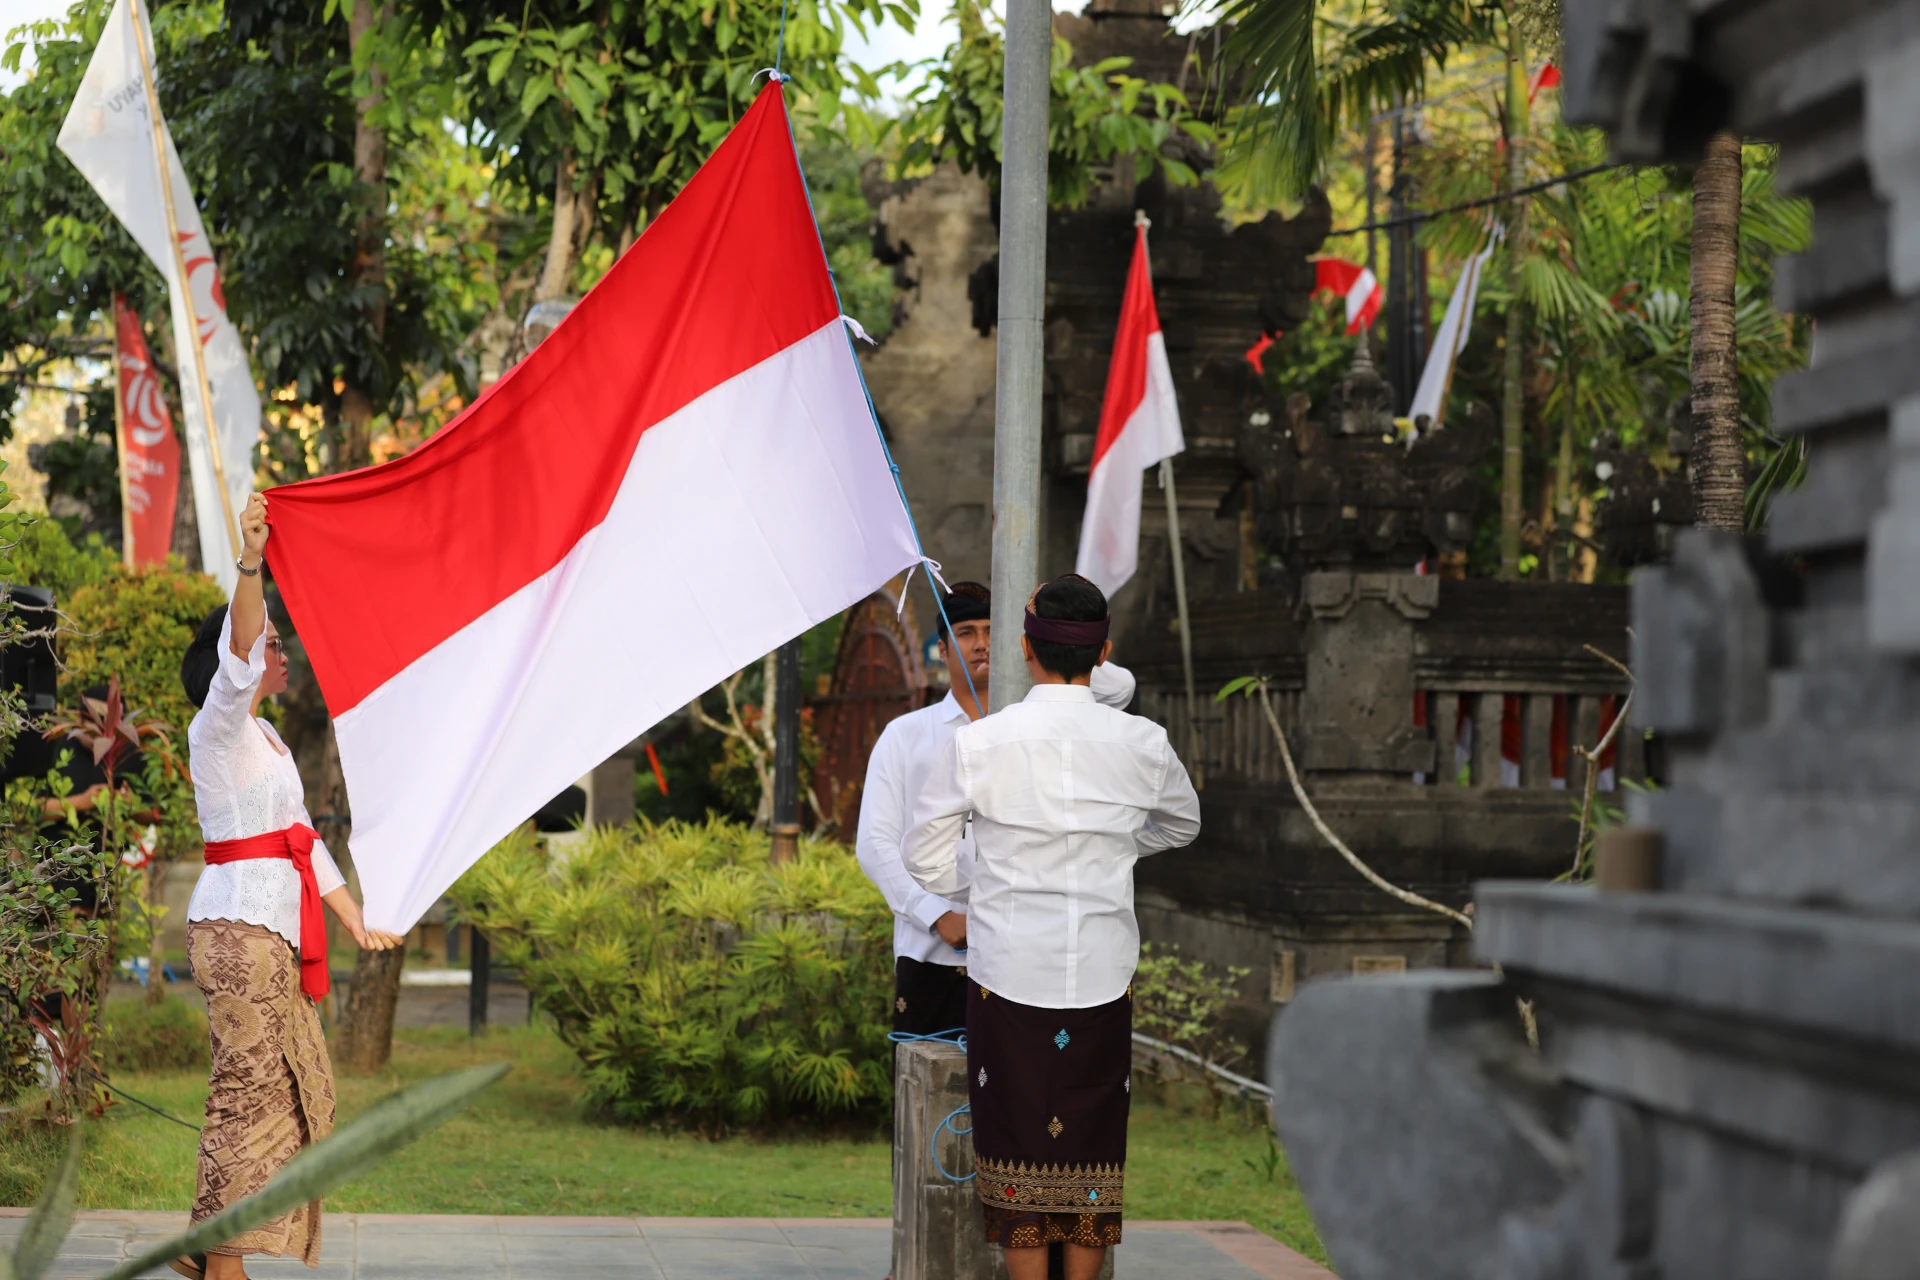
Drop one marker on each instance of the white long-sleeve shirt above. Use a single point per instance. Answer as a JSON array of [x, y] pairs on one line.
[[901, 759], [246, 784], [1065, 795]]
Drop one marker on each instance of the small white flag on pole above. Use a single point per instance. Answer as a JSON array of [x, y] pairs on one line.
[[114, 135], [1430, 397]]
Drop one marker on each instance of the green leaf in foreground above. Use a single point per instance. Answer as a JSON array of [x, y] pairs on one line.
[[377, 1133], [1234, 686], [52, 1217]]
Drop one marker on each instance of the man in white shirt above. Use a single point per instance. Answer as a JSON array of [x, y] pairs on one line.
[[930, 930], [1064, 796]]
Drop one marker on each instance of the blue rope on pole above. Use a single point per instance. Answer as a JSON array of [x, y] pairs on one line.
[[952, 1035], [933, 1143], [780, 44], [872, 413]]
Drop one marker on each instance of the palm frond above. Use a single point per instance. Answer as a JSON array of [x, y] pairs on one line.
[[1310, 76]]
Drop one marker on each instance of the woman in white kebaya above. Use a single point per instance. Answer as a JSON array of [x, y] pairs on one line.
[[256, 937]]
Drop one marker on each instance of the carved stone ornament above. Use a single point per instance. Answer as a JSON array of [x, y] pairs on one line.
[[1362, 402]]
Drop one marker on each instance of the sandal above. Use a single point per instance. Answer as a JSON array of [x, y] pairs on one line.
[[192, 1266]]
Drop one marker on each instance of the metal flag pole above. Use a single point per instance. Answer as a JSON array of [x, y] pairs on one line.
[[1194, 767], [1023, 300], [120, 443], [141, 31]]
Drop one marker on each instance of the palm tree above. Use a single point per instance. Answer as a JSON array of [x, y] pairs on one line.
[[1717, 465]]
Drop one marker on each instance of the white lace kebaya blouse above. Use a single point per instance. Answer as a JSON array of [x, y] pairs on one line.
[[246, 784]]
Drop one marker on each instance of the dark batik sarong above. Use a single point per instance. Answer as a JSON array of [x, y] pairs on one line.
[[1049, 1089], [928, 998]]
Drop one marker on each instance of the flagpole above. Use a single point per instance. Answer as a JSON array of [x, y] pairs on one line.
[[1196, 768], [208, 424], [120, 442], [1019, 364]]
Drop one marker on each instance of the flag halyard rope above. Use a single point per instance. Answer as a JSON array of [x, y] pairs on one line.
[[933, 567]]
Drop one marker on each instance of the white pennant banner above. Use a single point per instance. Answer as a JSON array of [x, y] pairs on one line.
[[110, 136]]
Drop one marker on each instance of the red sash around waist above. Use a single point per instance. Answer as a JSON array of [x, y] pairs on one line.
[[296, 844]]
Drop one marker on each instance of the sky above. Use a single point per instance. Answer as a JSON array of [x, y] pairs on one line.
[[16, 13]]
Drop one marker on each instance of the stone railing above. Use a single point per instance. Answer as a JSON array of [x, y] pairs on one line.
[[1436, 725]]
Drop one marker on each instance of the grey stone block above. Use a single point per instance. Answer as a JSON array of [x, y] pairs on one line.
[[1879, 1237], [1389, 1097], [1700, 639], [1814, 971]]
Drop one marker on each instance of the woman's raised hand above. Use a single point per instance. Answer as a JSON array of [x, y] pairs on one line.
[[253, 527]]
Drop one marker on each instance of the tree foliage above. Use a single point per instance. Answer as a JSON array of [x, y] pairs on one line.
[[258, 97], [1098, 116]]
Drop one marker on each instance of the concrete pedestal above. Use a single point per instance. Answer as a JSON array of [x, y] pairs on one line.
[[937, 1231]]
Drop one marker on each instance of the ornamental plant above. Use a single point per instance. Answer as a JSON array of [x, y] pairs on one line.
[[696, 980]]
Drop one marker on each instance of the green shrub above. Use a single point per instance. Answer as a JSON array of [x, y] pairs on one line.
[[694, 979], [1181, 1002], [170, 1035]]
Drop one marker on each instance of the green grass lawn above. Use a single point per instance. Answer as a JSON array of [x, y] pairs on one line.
[[525, 1148]]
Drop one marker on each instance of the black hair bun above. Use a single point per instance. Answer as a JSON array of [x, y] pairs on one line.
[[202, 660]]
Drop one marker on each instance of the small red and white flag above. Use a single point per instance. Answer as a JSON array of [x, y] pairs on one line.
[[1139, 426], [1356, 284], [683, 476], [149, 451], [1547, 77]]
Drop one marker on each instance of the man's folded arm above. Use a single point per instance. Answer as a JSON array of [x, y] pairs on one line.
[[939, 820], [877, 844]]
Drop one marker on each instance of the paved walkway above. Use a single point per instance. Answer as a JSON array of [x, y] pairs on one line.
[[374, 1246]]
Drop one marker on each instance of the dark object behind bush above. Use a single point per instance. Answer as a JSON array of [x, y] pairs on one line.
[[168, 1036]]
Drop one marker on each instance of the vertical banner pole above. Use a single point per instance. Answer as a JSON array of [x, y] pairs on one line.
[[120, 444], [141, 32], [1195, 767], [785, 822], [1023, 299]]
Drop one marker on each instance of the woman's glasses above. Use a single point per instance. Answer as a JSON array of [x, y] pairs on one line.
[[275, 648]]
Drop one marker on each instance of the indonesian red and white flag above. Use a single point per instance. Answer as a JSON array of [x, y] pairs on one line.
[[683, 476], [110, 137], [1139, 425], [1356, 284], [149, 451]]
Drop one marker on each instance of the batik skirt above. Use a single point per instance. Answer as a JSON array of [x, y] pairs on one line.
[[928, 998], [272, 1084], [1049, 1090]]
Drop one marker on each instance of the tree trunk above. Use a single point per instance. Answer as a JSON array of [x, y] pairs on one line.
[[1717, 467], [1561, 550], [369, 269], [156, 888], [366, 1019], [366, 1040], [559, 264], [1512, 400]]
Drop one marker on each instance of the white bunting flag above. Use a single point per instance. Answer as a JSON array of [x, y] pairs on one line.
[[109, 135]]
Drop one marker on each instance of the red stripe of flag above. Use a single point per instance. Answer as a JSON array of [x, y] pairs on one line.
[[437, 538]]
